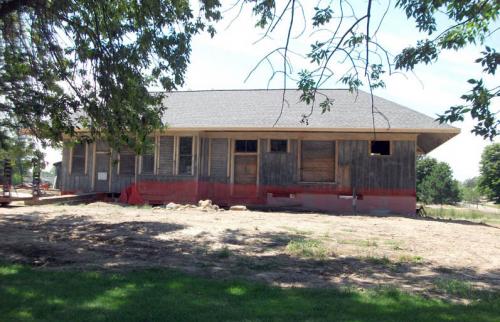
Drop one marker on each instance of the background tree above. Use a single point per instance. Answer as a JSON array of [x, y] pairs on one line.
[[489, 180], [73, 64], [470, 191], [346, 33], [423, 170], [435, 183], [20, 150]]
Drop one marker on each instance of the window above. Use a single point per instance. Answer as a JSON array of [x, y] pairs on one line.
[[279, 146], [317, 163], [380, 148], [127, 163], [185, 155], [148, 158], [78, 159], [148, 163], [245, 146]]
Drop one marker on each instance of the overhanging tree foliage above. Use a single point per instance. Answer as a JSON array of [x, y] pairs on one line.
[[71, 64], [345, 33]]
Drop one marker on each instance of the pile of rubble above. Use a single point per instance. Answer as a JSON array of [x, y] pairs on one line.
[[203, 205]]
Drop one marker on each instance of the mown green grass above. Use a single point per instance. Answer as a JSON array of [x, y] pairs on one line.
[[162, 295], [307, 248], [468, 214]]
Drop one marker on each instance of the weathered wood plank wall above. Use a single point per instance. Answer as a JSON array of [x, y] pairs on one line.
[[355, 166], [218, 160], [166, 166], [76, 181], [278, 168]]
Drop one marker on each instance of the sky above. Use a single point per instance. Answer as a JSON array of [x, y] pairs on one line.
[[225, 61]]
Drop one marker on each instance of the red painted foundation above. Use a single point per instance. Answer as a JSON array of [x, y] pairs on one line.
[[315, 197]]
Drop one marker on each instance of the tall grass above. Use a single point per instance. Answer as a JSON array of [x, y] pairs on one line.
[[463, 214]]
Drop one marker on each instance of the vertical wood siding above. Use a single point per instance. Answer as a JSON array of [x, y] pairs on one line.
[[218, 160], [355, 166], [278, 168], [166, 158], [76, 182]]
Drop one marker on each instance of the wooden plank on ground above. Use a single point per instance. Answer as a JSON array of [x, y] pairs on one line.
[[64, 198]]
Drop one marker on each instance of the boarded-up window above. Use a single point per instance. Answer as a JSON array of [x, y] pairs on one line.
[[78, 159], [166, 157], [318, 161], [185, 155], [101, 146], [279, 145], [245, 169], [148, 163], [127, 163], [147, 159]]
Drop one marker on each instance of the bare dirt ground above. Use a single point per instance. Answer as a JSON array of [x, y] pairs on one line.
[[355, 251]]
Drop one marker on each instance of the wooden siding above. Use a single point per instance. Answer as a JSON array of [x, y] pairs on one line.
[[358, 169], [355, 167], [278, 168], [218, 159], [317, 161], [76, 182], [101, 146], [204, 157], [245, 169], [166, 158], [102, 166]]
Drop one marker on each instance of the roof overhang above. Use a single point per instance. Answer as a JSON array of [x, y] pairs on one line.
[[449, 131], [428, 141]]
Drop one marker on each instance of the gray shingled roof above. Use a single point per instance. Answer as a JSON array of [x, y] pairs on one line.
[[259, 109]]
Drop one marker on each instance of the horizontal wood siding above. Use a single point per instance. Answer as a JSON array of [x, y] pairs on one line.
[[317, 161]]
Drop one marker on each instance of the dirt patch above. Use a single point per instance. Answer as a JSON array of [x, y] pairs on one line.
[[286, 249]]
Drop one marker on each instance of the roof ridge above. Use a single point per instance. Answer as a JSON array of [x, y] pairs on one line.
[[246, 90]]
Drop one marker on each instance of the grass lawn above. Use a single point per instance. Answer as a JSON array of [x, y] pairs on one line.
[[163, 295], [464, 214]]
